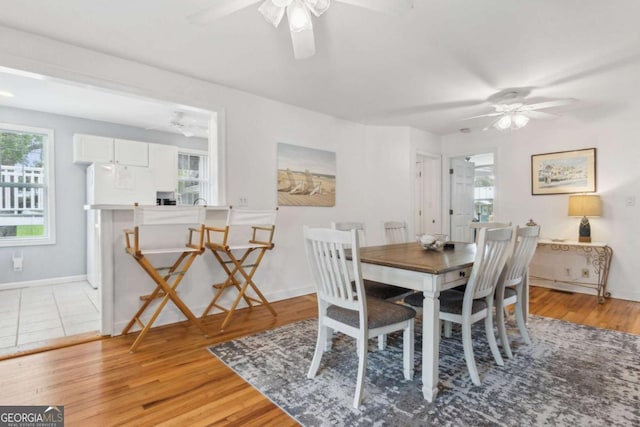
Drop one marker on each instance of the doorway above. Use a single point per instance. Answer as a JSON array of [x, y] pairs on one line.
[[471, 192]]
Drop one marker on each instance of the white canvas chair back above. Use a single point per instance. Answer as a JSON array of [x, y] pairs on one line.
[[474, 226], [150, 222], [158, 215], [395, 232], [491, 255], [350, 225], [525, 244]]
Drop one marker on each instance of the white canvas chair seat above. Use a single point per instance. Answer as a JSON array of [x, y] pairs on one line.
[[348, 310], [241, 260], [511, 285], [476, 303], [154, 220]]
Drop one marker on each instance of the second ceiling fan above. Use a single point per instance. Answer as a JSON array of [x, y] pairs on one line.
[[298, 15]]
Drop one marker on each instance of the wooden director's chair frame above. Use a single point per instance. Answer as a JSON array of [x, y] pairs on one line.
[[262, 223], [167, 281]]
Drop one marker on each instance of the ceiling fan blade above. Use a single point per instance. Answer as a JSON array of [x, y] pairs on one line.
[[541, 115], [304, 45], [483, 115], [218, 10], [392, 7], [547, 104]]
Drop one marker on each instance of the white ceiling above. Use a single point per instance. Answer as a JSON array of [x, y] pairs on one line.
[[428, 69]]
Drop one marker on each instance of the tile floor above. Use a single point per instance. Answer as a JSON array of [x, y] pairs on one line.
[[31, 315]]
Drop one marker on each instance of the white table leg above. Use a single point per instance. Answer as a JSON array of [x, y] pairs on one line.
[[430, 344]]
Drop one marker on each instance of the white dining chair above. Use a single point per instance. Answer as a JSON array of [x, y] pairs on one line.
[[476, 302], [373, 288], [511, 284], [474, 226], [395, 232], [347, 309]]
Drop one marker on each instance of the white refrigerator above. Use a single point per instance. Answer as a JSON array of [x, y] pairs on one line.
[[112, 184]]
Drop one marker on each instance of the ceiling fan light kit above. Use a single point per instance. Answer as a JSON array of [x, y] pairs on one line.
[[298, 14]]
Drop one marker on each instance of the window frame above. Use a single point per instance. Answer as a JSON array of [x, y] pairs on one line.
[[48, 151], [204, 167]]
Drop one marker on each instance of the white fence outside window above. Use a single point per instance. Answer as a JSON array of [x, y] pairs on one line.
[[21, 195]]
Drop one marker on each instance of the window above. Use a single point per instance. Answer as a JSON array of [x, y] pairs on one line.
[[26, 186], [193, 177]]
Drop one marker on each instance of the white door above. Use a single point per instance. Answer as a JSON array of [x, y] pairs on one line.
[[461, 208], [428, 218]]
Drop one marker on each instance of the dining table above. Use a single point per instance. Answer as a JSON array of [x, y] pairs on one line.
[[410, 266]]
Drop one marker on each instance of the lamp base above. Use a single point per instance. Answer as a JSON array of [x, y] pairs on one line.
[[584, 232]]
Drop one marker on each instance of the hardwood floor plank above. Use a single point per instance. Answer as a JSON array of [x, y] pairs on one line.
[[172, 380]]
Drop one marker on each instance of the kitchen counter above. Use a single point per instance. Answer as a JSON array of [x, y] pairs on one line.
[[130, 207]]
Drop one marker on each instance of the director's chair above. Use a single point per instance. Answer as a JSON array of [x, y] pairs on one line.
[[259, 226], [155, 219]]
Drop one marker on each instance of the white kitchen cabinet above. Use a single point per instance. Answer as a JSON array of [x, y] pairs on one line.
[[101, 149], [163, 162], [92, 149], [132, 153]]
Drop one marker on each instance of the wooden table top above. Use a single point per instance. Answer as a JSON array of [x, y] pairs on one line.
[[411, 256]]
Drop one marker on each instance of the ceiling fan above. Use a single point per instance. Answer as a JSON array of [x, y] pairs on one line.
[[298, 15], [511, 111], [188, 126]]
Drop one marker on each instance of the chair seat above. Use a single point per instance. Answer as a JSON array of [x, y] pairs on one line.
[[168, 250], [509, 292], [382, 290], [451, 302], [380, 313]]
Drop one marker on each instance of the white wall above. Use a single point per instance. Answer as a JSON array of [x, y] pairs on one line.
[[373, 164], [618, 177]]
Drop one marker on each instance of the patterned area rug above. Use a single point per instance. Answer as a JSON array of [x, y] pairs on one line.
[[573, 375]]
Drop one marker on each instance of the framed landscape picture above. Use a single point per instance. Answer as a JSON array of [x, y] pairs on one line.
[[306, 176], [564, 172]]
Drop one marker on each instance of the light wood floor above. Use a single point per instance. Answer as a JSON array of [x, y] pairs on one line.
[[173, 380]]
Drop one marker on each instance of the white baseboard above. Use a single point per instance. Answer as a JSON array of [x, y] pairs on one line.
[[629, 296], [43, 282]]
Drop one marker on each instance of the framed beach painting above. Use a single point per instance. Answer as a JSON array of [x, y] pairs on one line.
[[306, 176], [564, 172]]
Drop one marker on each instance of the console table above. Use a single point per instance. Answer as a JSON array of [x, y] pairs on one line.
[[598, 254]]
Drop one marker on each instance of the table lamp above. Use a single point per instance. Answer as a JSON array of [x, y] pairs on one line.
[[585, 205]]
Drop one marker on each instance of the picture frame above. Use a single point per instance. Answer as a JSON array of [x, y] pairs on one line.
[[564, 172], [306, 176]]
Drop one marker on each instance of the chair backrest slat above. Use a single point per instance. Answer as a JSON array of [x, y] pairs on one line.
[[523, 251], [395, 232], [491, 255], [474, 226], [351, 225], [332, 273]]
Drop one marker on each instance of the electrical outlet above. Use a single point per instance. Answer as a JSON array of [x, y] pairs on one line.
[[585, 273]]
